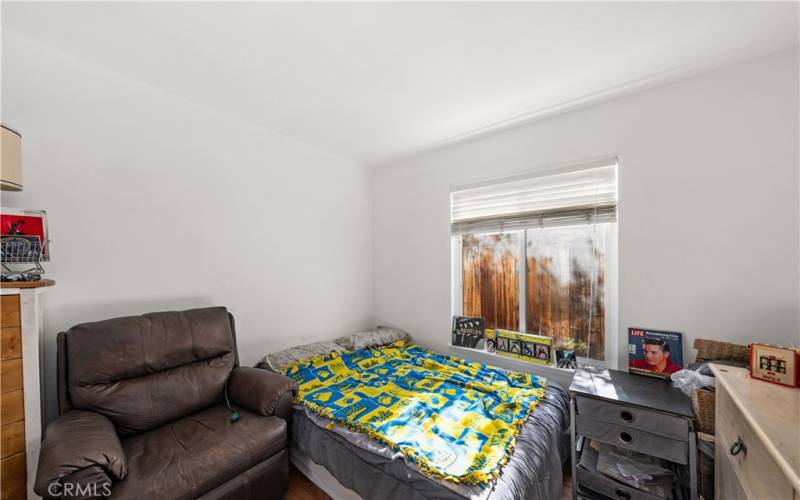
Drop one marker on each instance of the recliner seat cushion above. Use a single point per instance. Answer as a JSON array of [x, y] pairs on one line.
[[145, 371], [195, 454]]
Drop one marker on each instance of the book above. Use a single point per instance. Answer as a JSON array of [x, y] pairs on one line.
[[654, 352], [468, 332]]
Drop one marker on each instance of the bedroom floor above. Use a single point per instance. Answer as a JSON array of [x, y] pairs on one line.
[[301, 488]]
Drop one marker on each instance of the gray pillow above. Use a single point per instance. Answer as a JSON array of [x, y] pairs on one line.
[[279, 360], [382, 335]]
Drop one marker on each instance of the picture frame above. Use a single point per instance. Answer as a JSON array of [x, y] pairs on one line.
[[776, 364], [528, 347], [468, 332], [491, 340], [566, 359], [655, 353]]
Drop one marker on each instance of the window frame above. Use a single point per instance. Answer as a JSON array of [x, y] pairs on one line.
[[610, 292]]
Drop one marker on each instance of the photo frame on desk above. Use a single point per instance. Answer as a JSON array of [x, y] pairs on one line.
[[655, 353]]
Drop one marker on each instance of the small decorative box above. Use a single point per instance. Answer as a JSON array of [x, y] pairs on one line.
[[775, 364]]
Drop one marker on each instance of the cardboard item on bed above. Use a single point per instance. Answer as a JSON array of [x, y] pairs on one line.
[[524, 346]]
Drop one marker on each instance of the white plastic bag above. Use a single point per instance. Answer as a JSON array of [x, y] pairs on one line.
[[689, 380]]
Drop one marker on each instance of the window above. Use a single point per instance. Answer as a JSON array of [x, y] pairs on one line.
[[538, 255]]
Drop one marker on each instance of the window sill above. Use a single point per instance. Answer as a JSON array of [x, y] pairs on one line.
[[562, 376]]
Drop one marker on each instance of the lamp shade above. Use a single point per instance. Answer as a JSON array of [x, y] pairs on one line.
[[11, 160]]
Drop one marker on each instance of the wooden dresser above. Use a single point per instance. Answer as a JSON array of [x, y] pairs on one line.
[[758, 438], [12, 408], [20, 397]]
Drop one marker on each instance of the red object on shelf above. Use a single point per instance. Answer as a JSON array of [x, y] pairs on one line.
[[776, 364], [14, 221]]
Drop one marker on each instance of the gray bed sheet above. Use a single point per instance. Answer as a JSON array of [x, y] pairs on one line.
[[534, 471]]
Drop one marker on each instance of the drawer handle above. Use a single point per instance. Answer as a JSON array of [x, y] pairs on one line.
[[622, 494], [738, 447], [626, 416], [625, 437]]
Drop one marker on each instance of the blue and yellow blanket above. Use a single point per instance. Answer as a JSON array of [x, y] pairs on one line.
[[453, 419]]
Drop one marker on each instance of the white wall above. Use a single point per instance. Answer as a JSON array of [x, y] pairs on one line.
[[157, 203], [708, 221]]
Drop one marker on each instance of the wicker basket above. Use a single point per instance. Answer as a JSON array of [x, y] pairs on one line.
[[703, 405], [703, 399], [714, 350]]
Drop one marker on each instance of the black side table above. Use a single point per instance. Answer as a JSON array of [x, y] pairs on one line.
[[632, 412]]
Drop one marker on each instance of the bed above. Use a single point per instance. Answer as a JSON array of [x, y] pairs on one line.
[[347, 463]]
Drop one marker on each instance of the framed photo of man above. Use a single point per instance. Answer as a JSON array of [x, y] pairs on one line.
[[654, 352]]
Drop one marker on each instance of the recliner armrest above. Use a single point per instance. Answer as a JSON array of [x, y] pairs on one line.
[[81, 448], [259, 390]]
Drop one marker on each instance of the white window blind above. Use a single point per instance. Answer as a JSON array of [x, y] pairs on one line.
[[582, 196]]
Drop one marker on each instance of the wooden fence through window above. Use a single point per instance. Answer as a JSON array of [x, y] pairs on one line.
[[565, 282]]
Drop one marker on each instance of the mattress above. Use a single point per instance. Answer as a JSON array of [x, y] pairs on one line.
[[373, 470]]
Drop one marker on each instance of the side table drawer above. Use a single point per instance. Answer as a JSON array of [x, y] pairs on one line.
[[635, 418], [633, 439]]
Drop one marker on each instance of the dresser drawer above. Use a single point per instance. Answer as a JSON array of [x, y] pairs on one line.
[[728, 483], [12, 406], [760, 475], [9, 311], [12, 470], [12, 438], [634, 418], [10, 343], [10, 375], [633, 439]]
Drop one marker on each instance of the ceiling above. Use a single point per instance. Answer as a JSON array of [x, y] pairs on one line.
[[377, 81]]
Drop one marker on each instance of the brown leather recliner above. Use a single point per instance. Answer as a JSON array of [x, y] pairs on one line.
[[143, 413]]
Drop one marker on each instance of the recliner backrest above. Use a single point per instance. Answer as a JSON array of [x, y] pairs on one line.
[[144, 371]]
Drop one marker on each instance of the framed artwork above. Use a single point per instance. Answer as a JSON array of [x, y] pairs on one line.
[[468, 332], [524, 346], [566, 359], [491, 340], [656, 353], [774, 364]]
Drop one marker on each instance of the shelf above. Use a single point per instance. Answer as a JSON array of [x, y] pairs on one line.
[[27, 284]]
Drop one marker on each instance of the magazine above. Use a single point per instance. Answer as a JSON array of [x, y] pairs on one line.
[[654, 352]]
